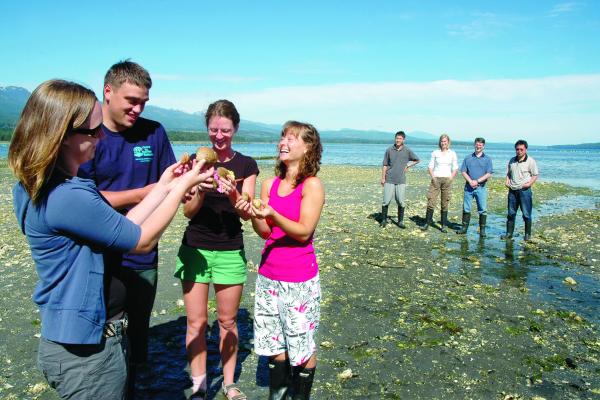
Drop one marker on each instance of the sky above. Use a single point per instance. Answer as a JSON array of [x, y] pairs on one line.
[[502, 70]]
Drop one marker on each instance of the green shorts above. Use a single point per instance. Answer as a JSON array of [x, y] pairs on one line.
[[223, 267]]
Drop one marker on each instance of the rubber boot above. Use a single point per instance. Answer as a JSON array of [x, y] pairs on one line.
[[527, 229], [444, 221], [279, 379], [466, 218], [384, 212], [401, 217], [510, 229], [302, 382], [428, 219], [482, 221]]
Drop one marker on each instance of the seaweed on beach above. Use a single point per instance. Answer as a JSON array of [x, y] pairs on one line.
[[405, 313]]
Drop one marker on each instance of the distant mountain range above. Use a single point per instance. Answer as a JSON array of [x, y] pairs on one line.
[[13, 99]]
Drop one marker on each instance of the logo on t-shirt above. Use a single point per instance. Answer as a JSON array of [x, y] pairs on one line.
[[143, 154]]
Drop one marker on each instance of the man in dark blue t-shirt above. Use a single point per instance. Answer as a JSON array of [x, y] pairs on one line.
[[476, 169], [129, 160]]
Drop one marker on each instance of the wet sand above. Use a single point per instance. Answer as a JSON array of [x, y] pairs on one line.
[[406, 314]]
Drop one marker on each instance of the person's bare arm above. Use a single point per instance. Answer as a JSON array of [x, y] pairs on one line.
[[126, 198], [383, 172], [242, 207], [260, 225], [313, 199], [529, 184], [158, 208], [484, 177]]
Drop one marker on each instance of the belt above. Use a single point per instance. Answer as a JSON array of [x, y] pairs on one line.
[[116, 327]]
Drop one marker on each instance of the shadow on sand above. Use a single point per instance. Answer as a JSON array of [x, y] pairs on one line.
[[167, 375]]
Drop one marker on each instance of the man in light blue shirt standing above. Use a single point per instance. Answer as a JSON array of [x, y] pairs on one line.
[[476, 168]]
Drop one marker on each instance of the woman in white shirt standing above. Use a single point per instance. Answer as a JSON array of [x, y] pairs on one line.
[[443, 167]]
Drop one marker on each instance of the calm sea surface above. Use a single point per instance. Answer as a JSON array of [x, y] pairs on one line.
[[579, 167]]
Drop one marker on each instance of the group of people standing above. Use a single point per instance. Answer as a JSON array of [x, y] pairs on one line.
[[97, 186], [521, 173]]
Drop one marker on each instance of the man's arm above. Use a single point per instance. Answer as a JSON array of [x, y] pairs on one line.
[[472, 182], [531, 182], [383, 172], [413, 160], [484, 177], [126, 198]]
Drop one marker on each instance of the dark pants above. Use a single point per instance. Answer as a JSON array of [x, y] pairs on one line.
[[523, 199], [141, 291], [85, 371]]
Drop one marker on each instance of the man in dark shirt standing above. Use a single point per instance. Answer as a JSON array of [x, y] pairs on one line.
[[129, 160], [476, 169], [396, 161]]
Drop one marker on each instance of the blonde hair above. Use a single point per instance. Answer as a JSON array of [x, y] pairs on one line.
[[311, 162], [440, 140], [54, 108]]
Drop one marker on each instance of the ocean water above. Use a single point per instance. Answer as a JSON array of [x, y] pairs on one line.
[[575, 167]]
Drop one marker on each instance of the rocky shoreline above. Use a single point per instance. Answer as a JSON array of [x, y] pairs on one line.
[[406, 313]]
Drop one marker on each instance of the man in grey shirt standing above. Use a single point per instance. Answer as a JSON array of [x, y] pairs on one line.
[[521, 173], [396, 161]]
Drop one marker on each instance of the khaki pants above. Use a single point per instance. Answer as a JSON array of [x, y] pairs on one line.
[[437, 185]]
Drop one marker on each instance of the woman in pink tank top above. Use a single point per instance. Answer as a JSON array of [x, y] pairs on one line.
[[287, 300]]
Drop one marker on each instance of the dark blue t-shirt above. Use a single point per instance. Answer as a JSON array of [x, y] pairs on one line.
[[131, 159]]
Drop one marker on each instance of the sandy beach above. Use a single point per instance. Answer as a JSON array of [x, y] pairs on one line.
[[406, 314]]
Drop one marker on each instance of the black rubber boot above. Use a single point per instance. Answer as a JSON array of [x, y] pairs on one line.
[[302, 382], [279, 379], [444, 221], [384, 212], [527, 229], [428, 219], [466, 218], [482, 221], [510, 229], [401, 217]]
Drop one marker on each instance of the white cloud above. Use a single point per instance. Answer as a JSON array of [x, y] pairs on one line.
[[484, 24], [562, 8], [564, 107]]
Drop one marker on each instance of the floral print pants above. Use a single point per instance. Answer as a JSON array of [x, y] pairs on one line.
[[286, 318]]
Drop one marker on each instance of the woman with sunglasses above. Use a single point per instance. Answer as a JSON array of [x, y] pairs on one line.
[[70, 227]]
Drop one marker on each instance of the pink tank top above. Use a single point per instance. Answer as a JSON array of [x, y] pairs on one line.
[[283, 258]]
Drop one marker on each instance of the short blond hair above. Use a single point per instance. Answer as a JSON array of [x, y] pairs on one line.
[[127, 71]]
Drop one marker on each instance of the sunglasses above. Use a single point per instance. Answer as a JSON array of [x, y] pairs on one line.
[[93, 132]]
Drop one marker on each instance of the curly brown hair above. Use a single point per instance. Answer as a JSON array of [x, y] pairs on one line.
[[311, 162]]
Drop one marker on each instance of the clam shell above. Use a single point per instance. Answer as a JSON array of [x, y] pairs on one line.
[[207, 154]]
